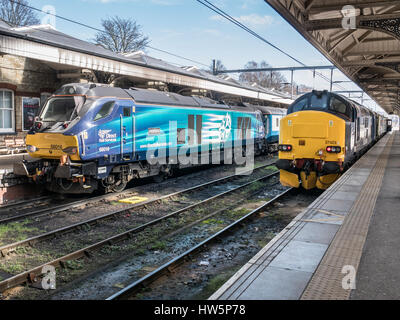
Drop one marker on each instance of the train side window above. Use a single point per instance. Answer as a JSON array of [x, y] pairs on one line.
[[277, 122], [127, 111], [105, 110], [338, 106]]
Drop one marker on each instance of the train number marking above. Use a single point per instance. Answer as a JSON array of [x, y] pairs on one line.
[[101, 170], [56, 147]]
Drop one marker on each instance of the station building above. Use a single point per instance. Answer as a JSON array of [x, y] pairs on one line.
[[35, 61]]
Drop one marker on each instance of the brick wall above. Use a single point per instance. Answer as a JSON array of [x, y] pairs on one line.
[[26, 78]]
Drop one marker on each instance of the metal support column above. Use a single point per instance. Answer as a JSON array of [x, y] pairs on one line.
[[291, 82]]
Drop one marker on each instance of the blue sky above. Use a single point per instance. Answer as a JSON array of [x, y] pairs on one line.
[[188, 29]]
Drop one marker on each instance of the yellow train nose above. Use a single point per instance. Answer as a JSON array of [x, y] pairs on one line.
[[52, 146]]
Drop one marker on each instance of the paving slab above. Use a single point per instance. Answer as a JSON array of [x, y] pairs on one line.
[[269, 285], [285, 268]]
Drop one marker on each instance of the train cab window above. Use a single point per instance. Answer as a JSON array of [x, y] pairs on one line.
[[338, 106], [318, 101], [105, 110], [59, 109], [299, 105]]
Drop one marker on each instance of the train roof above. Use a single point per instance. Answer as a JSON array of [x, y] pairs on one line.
[[353, 104], [269, 110], [148, 96]]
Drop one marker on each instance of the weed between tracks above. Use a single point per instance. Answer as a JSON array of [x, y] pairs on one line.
[[21, 230], [139, 246], [15, 231]]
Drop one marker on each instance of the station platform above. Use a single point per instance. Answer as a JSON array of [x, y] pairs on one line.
[[7, 161], [13, 192], [345, 245]]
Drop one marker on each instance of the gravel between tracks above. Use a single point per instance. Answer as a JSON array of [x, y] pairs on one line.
[[30, 227]]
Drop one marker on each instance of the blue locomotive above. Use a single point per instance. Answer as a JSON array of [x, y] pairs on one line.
[[91, 136]]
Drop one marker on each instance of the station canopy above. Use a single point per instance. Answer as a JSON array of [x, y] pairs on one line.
[[360, 37]]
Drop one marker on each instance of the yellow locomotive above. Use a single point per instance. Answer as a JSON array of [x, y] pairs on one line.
[[321, 136]]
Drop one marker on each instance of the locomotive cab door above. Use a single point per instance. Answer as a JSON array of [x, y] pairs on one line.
[[127, 133]]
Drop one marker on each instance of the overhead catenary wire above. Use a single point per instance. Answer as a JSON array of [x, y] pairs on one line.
[[222, 13], [217, 10], [103, 31]]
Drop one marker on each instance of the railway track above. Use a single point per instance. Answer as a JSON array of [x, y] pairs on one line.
[[13, 212], [168, 267], [31, 274], [28, 203]]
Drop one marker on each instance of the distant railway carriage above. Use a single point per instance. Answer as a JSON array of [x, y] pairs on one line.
[[323, 134], [394, 122], [90, 136], [271, 119]]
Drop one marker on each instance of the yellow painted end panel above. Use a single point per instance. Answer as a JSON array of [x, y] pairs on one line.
[[50, 145], [311, 131], [289, 179], [308, 130], [324, 182], [308, 182]]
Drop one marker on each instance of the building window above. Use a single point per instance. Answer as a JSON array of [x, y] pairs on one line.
[[6, 111], [30, 109]]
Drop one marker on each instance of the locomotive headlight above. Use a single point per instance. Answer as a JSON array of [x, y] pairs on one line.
[[31, 149], [70, 150], [332, 149], [285, 147]]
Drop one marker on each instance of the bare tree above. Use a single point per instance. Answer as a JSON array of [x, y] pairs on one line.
[[218, 66], [273, 80], [17, 13], [121, 35]]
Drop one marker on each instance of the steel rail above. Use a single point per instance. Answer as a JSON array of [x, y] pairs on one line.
[[7, 206], [31, 274], [51, 234], [64, 207], [170, 265]]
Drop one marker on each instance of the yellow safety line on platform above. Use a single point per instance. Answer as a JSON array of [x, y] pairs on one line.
[[133, 200], [346, 248]]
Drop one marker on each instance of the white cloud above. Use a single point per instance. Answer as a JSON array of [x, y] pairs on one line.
[[252, 20]]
